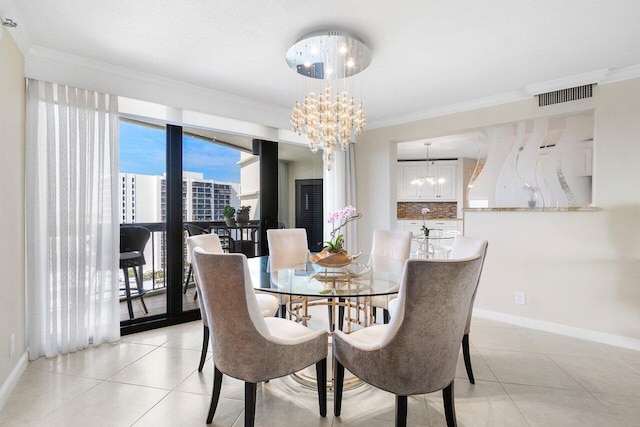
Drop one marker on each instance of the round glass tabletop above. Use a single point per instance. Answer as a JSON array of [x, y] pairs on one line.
[[354, 280]]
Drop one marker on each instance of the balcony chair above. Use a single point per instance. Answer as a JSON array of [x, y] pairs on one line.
[[192, 230], [463, 247], [247, 346], [417, 351], [133, 240], [210, 243]]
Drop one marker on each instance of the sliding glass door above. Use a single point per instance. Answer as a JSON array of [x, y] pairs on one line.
[[169, 179]]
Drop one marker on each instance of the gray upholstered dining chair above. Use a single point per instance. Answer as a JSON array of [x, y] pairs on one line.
[[247, 346], [417, 351], [463, 247], [210, 243]]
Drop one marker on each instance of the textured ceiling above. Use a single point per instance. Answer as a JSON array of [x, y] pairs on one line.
[[426, 53]]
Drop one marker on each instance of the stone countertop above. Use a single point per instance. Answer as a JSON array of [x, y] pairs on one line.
[[430, 219], [562, 209]]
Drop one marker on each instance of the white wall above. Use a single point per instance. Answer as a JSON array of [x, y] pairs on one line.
[[578, 269], [250, 183], [12, 259]]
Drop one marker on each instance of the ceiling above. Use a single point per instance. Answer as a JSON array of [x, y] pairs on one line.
[[427, 54], [287, 152]]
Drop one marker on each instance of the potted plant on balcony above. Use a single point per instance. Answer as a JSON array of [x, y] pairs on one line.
[[242, 214], [228, 212]]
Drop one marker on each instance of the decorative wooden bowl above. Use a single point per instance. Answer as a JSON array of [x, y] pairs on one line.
[[331, 259]]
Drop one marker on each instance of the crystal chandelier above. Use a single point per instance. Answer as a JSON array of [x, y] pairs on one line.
[[326, 119]]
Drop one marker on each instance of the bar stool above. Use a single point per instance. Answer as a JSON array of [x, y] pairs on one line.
[[133, 240]]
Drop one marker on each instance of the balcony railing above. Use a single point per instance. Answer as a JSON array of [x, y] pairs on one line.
[[243, 239]]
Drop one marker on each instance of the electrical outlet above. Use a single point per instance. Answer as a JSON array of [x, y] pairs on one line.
[[519, 298], [12, 344]]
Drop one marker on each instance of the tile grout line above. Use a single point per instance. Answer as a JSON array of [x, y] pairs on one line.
[[524, 417]]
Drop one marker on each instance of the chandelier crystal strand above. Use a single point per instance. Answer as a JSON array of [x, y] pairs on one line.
[[328, 121]]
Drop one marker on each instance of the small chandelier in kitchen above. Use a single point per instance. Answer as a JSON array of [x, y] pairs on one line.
[[329, 120], [428, 178]]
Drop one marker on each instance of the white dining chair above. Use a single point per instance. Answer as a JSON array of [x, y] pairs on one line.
[[288, 248], [389, 251], [442, 247]]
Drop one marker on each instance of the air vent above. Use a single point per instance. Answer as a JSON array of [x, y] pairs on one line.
[[565, 95]]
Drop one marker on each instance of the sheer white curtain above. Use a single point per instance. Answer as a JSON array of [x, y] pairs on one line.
[[340, 191], [72, 223]]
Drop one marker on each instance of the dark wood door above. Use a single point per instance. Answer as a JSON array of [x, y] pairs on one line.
[[309, 210]]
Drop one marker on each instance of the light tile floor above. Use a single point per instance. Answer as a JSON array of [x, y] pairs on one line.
[[523, 378]]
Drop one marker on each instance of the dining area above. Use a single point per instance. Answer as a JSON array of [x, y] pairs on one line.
[[260, 316]]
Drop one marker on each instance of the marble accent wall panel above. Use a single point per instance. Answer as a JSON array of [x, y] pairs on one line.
[[544, 162]]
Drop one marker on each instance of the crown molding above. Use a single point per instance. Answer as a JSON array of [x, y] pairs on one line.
[[627, 73], [59, 67], [567, 82], [446, 110], [20, 34]]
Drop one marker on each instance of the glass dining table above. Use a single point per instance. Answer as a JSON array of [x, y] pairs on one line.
[[351, 286]]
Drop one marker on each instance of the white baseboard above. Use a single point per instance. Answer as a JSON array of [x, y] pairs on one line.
[[556, 328], [12, 379]]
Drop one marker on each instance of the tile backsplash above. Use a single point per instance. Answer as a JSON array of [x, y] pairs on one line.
[[413, 210]]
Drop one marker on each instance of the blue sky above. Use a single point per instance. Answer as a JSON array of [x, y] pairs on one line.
[[142, 151]]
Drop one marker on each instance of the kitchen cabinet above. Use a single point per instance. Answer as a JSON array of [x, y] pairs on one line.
[[415, 225], [443, 191]]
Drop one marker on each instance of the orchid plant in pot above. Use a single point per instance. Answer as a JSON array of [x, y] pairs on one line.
[[424, 228], [343, 217], [334, 253]]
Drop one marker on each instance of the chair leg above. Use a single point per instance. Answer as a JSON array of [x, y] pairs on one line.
[[338, 385], [140, 286], [144, 306], [205, 346], [449, 407], [401, 411], [250, 404], [195, 295], [127, 290], [321, 377], [186, 282], [215, 396], [467, 358], [386, 317]]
